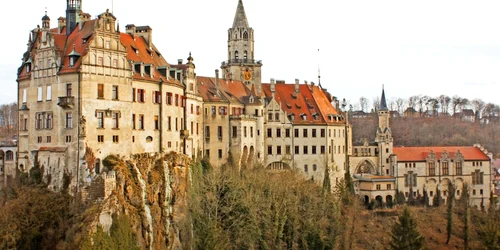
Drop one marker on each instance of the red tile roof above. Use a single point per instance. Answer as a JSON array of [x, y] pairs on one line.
[[226, 91], [421, 153], [308, 101]]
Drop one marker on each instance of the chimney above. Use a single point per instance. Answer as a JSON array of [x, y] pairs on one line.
[[297, 86], [147, 33], [130, 29], [61, 23], [179, 61], [272, 86], [217, 80]]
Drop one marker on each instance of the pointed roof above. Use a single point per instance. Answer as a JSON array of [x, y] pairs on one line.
[[383, 103], [240, 18]]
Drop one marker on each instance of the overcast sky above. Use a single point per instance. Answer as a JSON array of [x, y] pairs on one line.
[[423, 47]]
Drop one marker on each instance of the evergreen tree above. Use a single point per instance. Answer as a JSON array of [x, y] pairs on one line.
[[466, 215], [405, 234], [449, 211], [327, 185], [437, 198]]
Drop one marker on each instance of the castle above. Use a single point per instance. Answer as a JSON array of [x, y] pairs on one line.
[[87, 90]]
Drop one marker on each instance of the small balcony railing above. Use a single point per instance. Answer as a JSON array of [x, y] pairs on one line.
[[66, 101]]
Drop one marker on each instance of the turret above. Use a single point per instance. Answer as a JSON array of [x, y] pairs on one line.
[[45, 21], [73, 11]]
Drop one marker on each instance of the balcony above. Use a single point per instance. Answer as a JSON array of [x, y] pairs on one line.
[[66, 101], [242, 61]]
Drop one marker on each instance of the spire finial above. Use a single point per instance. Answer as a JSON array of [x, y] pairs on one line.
[[319, 73], [240, 18]]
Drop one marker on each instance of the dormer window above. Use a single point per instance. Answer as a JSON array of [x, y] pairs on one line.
[[303, 116], [71, 61], [73, 57], [251, 99], [291, 116]]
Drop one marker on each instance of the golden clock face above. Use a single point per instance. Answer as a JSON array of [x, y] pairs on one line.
[[247, 75]]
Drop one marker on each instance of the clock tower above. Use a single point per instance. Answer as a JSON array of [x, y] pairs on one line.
[[241, 64]]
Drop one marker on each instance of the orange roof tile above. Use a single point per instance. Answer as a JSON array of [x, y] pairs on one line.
[[228, 91], [309, 101], [421, 153]]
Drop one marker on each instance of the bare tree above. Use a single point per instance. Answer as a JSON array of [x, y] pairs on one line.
[[421, 102], [376, 104], [433, 105], [458, 103], [363, 103], [412, 101], [444, 101], [478, 106], [400, 102]]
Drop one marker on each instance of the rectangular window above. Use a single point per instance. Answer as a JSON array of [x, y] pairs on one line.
[[39, 139], [269, 150], [100, 119], [323, 132], [49, 139], [432, 168], [100, 138], [25, 95], [133, 121], [100, 61], [68, 138], [378, 187], [176, 100], [157, 123], [207, 132], [296, 132], [389, 187], [304, 133], [445, 167], [313, 150], [39, 121], [313, 132], [134, 95], [322, 149], [458, 168], [296, 150], [48, 121], [141, 95], [198, 110], [115, 138], [116, 117], [192, 108], [169, 98], [220, 153], [278, 150], [288, 149], [69, 120], [115, 63], [287, 132], [278, 133], [49, 93], [477, 177], [100, 91], [114, 95], [169, 123], [269, 132], [219, 133], [141, 121], [40, 93], [69, 89], [245, 131], [157, 97], [305, 150]]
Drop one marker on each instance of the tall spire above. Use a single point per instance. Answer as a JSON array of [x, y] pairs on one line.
[[383, 103], [240, 18]]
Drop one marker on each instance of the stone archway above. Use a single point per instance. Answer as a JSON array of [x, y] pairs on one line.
[[366, 167], [244, 157], [251, 156], [388, 200], [278, 165], [379, 200], [367, 200]]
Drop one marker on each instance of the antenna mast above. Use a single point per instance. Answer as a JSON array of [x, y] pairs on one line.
[[319, 74]]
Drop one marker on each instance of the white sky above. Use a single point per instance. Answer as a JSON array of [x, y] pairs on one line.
[[428, 47]]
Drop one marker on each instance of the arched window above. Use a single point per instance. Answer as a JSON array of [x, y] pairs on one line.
[[149, 139], [245, 35], [245, 55], [236, 55], [9, 156]]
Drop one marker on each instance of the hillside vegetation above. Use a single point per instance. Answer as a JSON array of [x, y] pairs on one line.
[[431, 131]]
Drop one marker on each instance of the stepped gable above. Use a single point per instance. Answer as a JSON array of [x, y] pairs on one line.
[[421, 153], [305, 102], [79, 39]]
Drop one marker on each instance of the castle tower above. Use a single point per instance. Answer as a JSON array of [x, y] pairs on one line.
[[383, 137], [73, 11], [45, 21], [241, 64]]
